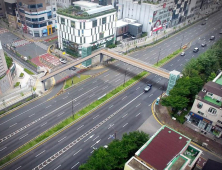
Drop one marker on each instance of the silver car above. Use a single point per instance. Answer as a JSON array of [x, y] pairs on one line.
[[183, 53], [148, 87], [62, 60]]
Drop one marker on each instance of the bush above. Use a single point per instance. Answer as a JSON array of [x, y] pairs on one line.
[[28, 71], [17, 84], [111, 46], [21, 75], [144, 34]]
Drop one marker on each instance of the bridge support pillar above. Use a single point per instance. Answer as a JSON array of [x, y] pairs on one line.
[[44, 85], [174, 76], [101, 58]]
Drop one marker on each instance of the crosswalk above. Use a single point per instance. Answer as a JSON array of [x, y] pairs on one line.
[[20, 43], [3, 30], [40, 44]]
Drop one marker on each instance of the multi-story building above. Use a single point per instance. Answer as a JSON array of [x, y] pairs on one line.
[[166, 149], [85, 23], [64, 3], [2, 8], [206, 112], [37, 17], [10, 7]]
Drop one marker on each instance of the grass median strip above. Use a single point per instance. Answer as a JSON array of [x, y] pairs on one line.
[[164, 60], [74, 80], [71, 119]]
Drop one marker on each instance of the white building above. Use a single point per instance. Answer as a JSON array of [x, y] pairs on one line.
[[64, 3], [87, 23], [37, 17]]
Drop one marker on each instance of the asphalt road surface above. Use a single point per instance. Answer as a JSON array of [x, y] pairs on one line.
[[137, 106]]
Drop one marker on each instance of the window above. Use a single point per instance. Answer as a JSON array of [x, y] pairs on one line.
[[32, 6], [204, 90], [101, 35], [50, 22], [94, 23], [73, 24], [62, 20], [212, 110], [43, 25], [28, 19], [201, 113], [54, 9], [39, 5], [80, 25], [78, 32], [104, 20], [82, 32], [35, 20], [35, 26], [84, 24], [42, 18]]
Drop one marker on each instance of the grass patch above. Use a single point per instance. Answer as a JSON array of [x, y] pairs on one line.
[[75, 80], [164, 60], [21, 75], [71, 119], [28, 71], [32, 63], [8, 60], [16, 84]]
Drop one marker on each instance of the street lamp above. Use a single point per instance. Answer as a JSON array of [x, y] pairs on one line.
[[158, 56], [181, 42]]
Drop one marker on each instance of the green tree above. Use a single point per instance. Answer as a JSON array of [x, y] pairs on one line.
[[176, 102], [212, 76], [117, 153]]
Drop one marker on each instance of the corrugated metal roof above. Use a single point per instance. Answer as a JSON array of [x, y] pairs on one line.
[[101, 9]]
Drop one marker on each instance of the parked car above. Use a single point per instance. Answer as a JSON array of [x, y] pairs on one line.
[[195, 50], [62, 60], [183, 53], [148, 87], [72, 68], [212, 37], [203, 45]]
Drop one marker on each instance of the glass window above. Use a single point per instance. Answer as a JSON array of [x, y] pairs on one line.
[[50, 22], [201, 113], [210, 94], [54, 9], [32, 6], [35, 25], [39, 5], [73, 24], [62, 20], [84, 25], [43, 25], [212, 110], [94, 23], [42, 18], [35, 20], [78, 32], [101, 35]]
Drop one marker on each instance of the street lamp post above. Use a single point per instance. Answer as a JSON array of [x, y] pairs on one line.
[[182, 42], [158, 56], [72, 109]]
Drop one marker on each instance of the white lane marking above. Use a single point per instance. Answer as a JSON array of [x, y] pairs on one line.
[[171, 65], [60, 114], [105, 87], [32, 115], [40, 153], [137, 114], [138, 105], [118, 80], [110, 126], [64, 97], [95, 116], [106, 81], [95, 138], [3, 149], [124, 97], [13, 125], [62, 139], [77, 152], [125, 124], [57, 167], [80, 127], [92, 151], [89, 138], [106, 75], [150, 95], [18, 168], [48, 106], [94, 82], [124, 116], [80, 89], [96, 143], [76, 104], [178, 60], [117, 74], [23, 136], [110, 106], [150, 104], [75, 165], [92, 95], [44, 124], [137, 88]]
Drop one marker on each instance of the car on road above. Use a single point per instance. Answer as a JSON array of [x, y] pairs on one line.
[[206, 19], [62, 60], [220, 32], [105, 146], [183, 53], [212, 37], [148, 87], [203, 23], [72, 68], [195, 50], [203, 45]]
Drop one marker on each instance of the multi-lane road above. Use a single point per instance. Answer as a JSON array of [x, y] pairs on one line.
[[123, 114]]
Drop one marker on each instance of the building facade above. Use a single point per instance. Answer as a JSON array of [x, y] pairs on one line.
[[37, 17], [206, 112], [2, 8], [88, 23], [10, 7], [64, 3]]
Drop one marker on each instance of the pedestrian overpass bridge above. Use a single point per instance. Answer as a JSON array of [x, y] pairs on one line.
[[126, 59]]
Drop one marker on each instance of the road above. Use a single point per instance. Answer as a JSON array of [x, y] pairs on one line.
[[177, 64]]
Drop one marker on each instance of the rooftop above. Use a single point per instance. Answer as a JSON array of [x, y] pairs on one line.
[[178, 163], [121, 23], [218, 79], [134, 163], [157, 153], [214, 101], [86, 4], [77, 13]]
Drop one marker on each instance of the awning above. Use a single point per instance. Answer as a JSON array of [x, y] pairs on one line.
[[156, 29]]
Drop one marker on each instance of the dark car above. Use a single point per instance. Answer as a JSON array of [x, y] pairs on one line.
[[212, 37], [195, 50], [72, 68], [203, 45], [220, 32], [203, 23], [148, 87]]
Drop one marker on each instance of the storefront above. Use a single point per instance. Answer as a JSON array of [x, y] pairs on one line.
[[200, 122]]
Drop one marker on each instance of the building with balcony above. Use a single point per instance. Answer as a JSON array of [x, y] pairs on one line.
[[85, 23], [37, 17], [206, 112], [166, 149]]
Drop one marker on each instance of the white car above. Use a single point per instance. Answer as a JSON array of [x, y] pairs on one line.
[[182, 54], [62, 60], [206, 19]]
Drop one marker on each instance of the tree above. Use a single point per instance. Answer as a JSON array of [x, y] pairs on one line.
[[117, 153], [212, 76], [176, 102]]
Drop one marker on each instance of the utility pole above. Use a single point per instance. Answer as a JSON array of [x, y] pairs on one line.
[[182, 42], [72, 110], [158, 56]]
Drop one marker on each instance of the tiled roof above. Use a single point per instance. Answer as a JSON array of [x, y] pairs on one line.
[[163, 148]]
